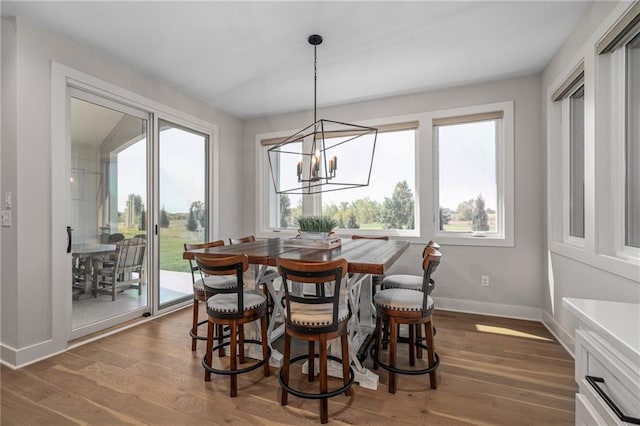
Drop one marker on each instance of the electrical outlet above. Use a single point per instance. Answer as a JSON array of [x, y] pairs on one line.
[[484, 280], [6, 218]]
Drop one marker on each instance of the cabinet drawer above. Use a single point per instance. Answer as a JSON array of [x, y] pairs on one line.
[[585, 413], [601, 373]]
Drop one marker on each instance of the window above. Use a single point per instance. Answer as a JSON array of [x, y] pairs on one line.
[[387, 205], [632, 145], [570, 98], [473, 166], [619, 58], [576, 163]]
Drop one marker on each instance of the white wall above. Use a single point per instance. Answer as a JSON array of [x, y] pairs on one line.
[[517, 272], [567, 276], [27, 52]]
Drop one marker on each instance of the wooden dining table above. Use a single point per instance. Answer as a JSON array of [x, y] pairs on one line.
[[365, 257]]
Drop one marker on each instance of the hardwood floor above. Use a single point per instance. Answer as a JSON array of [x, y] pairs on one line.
[[493, 371]]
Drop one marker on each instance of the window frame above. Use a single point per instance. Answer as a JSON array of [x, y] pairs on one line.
[[567, 162], [312, 203], [619, 135], [504, 236]]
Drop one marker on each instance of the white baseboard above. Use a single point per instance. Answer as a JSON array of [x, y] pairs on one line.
[[565, 339], [18, 358], [491, 309]]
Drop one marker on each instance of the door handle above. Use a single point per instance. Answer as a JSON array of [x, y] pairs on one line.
[[69, 239]]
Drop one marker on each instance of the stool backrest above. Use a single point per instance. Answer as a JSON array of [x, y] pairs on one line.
[[215, 264], [193, 266], [430, 263], [247, 239], [327, 275]]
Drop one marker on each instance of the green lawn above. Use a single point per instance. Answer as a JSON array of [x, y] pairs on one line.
[[172, 241]]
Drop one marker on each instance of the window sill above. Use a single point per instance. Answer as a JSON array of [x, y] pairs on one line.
[[624, 267], [470, 240]]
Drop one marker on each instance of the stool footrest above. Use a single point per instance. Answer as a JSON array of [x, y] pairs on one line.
[[387, 367], [307, 395], [258, 364]]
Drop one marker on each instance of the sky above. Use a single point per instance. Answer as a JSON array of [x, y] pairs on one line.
[[467, 167], [182, 171]]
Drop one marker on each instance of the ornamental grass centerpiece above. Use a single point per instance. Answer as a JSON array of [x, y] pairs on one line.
[[316, 232], [316, 227]]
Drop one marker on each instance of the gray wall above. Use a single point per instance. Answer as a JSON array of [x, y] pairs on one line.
[[26, 166], [516, 272], [565, 276]]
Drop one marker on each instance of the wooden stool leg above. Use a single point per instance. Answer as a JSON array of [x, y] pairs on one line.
[[311, 363], [412, 345], [324, 402], [209, 352], [194, 324], [241, 344], [419, 340], [393, 330], [378, 332], [385, 333], [346, 360], [220, 332], [265, 345], [428, 330], [286, 361], [233, 361]]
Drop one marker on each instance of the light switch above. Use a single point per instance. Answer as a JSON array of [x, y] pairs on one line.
[[7, 200], [6, 218]]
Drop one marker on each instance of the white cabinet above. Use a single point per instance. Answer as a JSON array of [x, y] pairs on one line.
[[607, 362]]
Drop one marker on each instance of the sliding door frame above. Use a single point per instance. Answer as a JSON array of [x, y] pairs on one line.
[[63, 77]]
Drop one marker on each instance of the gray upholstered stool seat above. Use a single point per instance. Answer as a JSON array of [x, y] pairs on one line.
[[228, 302], [402, 299]]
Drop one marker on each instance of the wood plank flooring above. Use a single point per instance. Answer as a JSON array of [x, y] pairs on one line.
[[493, 371]]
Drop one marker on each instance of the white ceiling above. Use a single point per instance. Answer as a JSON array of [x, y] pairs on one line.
[[252, 58]]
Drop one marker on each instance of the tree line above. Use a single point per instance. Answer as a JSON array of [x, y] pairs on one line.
[[395, 212]]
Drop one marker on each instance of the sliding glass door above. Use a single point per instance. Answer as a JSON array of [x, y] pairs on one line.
[[183, 216], [108, 200]]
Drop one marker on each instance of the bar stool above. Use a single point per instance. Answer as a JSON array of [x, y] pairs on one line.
[[233, 307], [199, 295], [318, 318], [267, 278], [402, 306], [410, 282]]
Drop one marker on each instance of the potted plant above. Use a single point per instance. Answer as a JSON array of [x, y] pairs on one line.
[[316, 227]]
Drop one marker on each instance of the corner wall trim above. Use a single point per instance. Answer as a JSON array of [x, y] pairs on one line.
[[565, 339]]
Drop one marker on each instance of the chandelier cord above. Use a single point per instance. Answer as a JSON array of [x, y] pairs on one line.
[[315, 82]]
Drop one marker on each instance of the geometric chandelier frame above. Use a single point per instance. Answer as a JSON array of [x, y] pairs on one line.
[[307, 161]]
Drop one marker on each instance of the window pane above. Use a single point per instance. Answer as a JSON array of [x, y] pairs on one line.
[[183, 206], [576, 158], [389, 200], [632, 207], [284, 208], [467, 180]]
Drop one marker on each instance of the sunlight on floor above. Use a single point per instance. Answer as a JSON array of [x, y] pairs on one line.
[[509, 332]]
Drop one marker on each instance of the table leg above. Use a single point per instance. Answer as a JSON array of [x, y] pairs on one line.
[[253, 329], [360, 326]]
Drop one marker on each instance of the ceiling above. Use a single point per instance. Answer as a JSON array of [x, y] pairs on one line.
[[252, 59]]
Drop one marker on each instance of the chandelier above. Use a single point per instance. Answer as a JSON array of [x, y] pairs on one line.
[[307, 161]]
